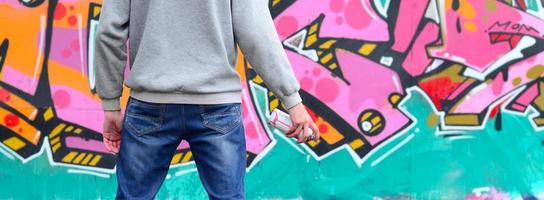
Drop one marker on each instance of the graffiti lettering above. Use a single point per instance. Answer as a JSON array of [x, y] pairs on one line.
[[511, 26]]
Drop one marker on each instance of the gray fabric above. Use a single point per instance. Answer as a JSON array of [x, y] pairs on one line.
[[185, 51]]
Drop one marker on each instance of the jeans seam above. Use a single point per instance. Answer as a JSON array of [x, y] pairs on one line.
[[221, 130], [148, 104], [159, 125], [138, 132]]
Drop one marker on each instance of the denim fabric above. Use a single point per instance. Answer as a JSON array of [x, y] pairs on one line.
[[151, 133]]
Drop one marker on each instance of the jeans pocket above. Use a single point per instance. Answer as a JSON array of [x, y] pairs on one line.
[[222, 118], [144, 117]]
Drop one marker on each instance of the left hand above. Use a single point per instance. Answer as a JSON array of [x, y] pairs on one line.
[[113, 122], [302, 121]]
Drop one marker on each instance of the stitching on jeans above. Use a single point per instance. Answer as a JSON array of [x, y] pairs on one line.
[[141, 132], [135, 101], [148, 104], [162, 109], [236, 108], [225, 130], [221, 115]]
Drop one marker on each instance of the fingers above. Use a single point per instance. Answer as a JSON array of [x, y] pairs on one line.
[[296, 132], [113, 123], [112, 129], [118, 124], [112, 145], [106, 144], [115, 146], [109, 145], [309, 131], [305, 134], [290, 132], [317, 135]]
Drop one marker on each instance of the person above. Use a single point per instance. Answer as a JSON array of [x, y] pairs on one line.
[[184, 86]]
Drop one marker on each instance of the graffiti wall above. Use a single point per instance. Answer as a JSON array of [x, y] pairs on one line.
[[426, 99]]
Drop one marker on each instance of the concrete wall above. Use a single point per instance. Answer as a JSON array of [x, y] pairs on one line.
[[421, 99]]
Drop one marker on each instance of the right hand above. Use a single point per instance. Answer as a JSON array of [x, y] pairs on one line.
[[302, 123], [113, 121]]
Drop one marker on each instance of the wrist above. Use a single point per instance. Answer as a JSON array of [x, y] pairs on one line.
[[111, 104], [291, 100], [295, 106]]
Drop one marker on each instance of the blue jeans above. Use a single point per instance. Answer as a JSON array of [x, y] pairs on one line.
[[151, 133]]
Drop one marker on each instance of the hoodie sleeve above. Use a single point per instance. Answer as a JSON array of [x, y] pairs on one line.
[[255, 33], [110, 53]]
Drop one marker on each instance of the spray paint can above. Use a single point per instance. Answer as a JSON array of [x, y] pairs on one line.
[[282, 121]]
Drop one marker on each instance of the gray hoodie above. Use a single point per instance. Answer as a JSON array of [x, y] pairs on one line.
[[185, 51]]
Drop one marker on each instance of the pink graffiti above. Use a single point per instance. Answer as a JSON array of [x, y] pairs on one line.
[[256, 138], [370, 86], [471, 36], [74, 106], [90, 145], [66, 48], [492, 194], [409, 17], [483, 96], [417, 59], [353, 19], [521, 103], [25, 83]]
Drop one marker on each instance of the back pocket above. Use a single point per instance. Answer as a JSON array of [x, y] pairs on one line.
[[144, 117], [222, 118]]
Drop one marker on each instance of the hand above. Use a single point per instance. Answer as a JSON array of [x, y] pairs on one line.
[[113, 121], [302, 121]]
